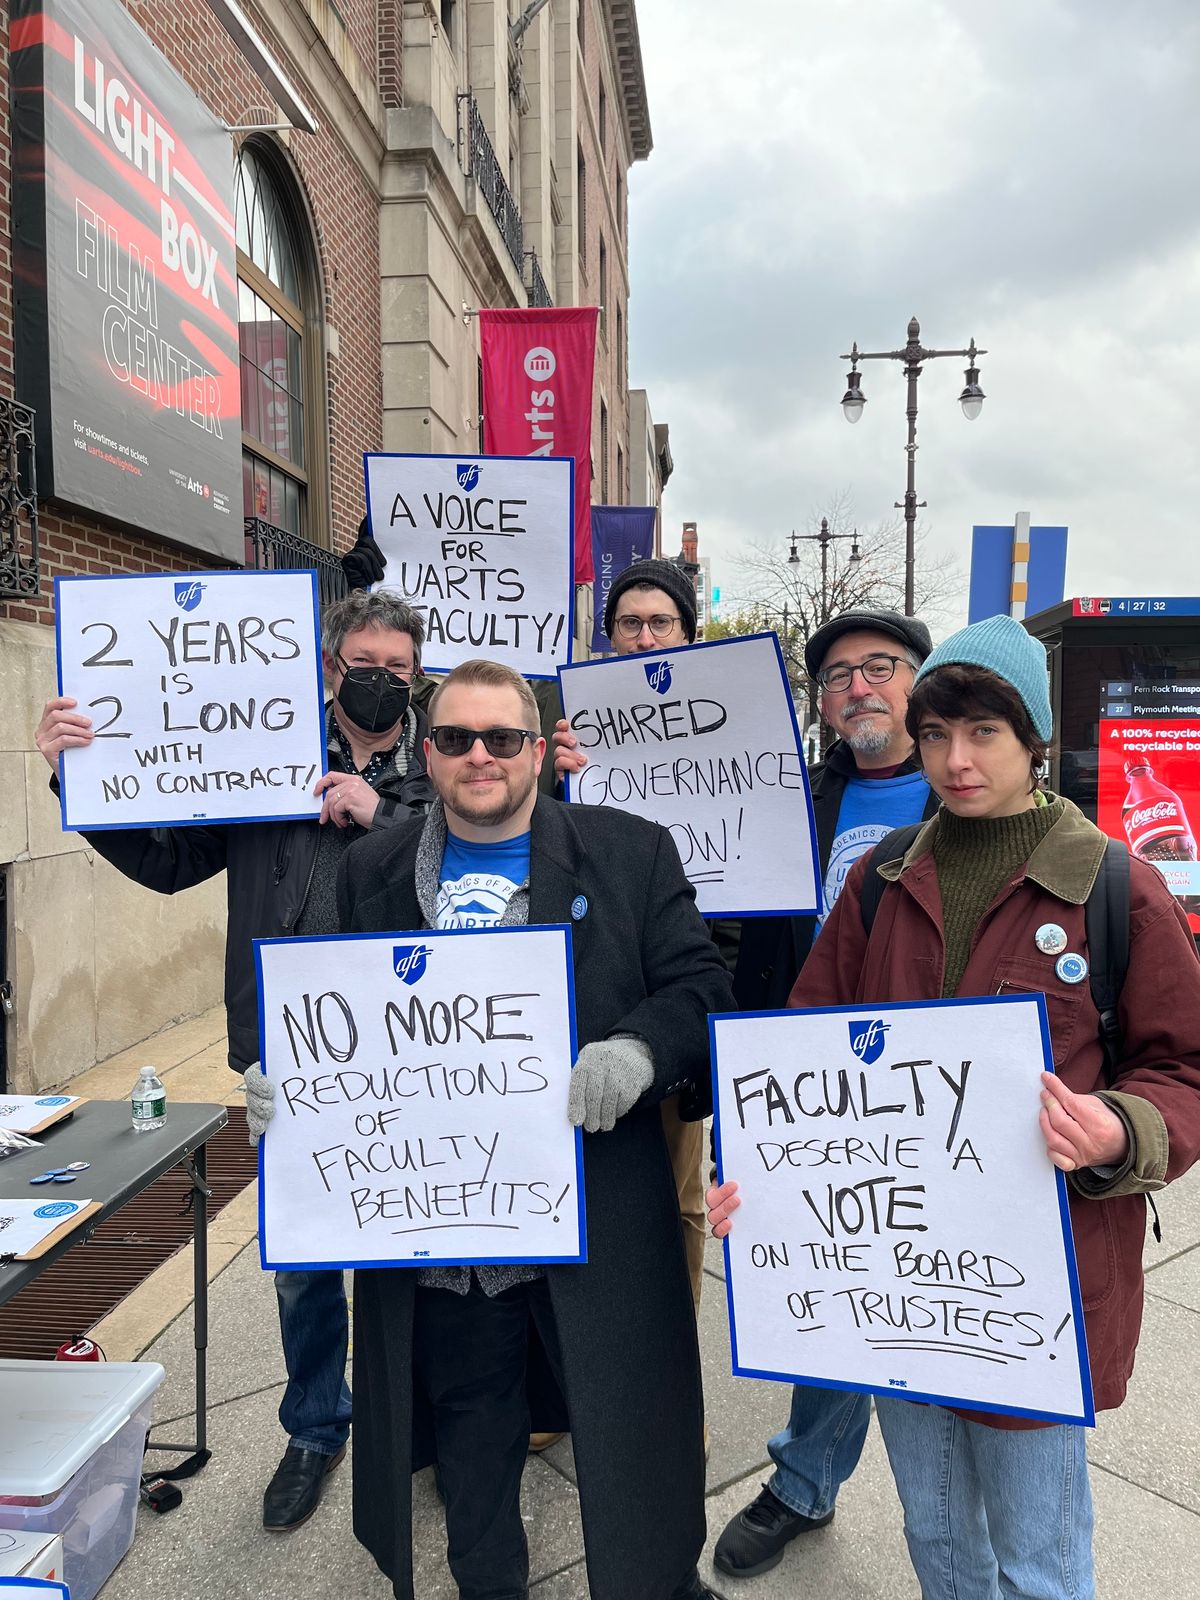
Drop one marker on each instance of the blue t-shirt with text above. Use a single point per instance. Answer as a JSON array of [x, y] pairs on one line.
[[478, 880], [870, 809]]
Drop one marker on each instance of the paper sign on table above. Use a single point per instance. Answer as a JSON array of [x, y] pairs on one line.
[[902, 1229], [33, 1113], [25, 1225], [481, 545], [704, 740], [421, 1101], [205, 695]]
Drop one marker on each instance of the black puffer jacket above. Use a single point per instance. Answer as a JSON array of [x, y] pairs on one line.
[[268, 867]]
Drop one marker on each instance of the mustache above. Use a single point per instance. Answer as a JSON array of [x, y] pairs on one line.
[[866, 702]]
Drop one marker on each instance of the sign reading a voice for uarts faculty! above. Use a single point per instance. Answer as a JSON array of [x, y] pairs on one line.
[[481, 545], [704, 740], [204, 691], [421, 1105], [902, 1229], [126, 320]]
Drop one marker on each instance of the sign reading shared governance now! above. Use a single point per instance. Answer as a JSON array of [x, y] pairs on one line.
[[421, 1103], [481, 546], [902, 1229], [704, 740], [205, 695]]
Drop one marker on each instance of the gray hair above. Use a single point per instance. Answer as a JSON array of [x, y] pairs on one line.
[[381, 610]]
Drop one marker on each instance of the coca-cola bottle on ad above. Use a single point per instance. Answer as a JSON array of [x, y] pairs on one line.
[[1156, 824]]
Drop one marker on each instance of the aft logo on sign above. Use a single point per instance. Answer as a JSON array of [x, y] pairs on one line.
[[467, 473], [658, 675], [187, 595], [867, 1039], [408, 961]]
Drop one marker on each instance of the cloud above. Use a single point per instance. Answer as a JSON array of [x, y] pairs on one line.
[[1025, 174]]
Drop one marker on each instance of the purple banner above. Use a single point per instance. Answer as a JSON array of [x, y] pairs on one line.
[[621, 535]]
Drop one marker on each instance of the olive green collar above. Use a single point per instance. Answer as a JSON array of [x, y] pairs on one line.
[[1065, 862]]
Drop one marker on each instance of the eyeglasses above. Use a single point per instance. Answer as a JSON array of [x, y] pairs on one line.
[[875, 669], [502, 743], [660, 627], [398, 673]]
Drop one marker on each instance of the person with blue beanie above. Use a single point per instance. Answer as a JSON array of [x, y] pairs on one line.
[[982, 899]]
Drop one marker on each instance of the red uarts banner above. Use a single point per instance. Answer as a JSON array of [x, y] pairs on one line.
[[538, 369]]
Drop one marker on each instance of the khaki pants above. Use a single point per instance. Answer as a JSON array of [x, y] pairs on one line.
[[685, 1146]]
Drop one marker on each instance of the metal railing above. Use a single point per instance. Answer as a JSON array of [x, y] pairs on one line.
[[20, 574], [479, 162], [269, 549], [535, 285]]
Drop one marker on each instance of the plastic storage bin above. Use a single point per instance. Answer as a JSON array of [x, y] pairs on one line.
[[72, 1436]]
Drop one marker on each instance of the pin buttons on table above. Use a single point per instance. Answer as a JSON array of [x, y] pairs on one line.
[[57, 1175]]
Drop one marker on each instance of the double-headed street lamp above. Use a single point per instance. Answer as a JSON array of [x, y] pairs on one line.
[[914, 354], [824, 538]]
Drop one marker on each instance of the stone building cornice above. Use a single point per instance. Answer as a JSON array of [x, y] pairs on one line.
[[627, 56]]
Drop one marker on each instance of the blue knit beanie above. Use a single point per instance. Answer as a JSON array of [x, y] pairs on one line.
[[1002, 646]]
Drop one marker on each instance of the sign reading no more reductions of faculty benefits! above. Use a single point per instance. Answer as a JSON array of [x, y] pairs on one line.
[[902, 1229], [704, 740], [481, 546], [204, 691], [421, 1108]]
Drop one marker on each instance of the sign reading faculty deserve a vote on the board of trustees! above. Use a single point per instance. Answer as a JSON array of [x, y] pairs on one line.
[[481, 545], [421, 1105], [902, 1229], [704, 740], [204, 691]]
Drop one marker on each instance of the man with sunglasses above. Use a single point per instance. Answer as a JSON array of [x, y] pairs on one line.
[[280, 879], [864, 663], [444, 1359]]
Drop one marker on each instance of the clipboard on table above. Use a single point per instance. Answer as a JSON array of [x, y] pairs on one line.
[[48, 1240], [32, 1114]]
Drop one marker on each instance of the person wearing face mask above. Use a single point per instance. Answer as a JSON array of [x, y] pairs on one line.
[[280, 880]]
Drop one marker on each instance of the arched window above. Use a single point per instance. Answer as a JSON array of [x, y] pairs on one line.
[[283, 464]]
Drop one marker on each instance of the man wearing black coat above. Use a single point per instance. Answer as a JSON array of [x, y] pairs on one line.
[[280, 879], [442, 1355]]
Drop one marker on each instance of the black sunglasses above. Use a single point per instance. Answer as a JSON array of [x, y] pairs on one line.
[[503, 743]]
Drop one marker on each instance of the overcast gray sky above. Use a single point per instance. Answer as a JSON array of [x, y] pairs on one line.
[[1026, 173]]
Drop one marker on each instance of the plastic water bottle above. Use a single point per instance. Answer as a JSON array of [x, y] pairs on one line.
[[149, 1100]]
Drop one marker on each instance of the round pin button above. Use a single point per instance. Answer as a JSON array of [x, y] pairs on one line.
[[579, 908], [1050, 938], [1071, 968]]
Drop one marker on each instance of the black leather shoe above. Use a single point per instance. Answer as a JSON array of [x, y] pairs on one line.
[[294, 1493], [693, 1589], [754, 1540]]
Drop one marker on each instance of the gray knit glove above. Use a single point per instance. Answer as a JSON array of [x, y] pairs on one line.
[[260, 1101], [610, 1077]]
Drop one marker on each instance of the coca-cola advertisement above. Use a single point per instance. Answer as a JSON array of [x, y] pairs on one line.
[[1149, 796]]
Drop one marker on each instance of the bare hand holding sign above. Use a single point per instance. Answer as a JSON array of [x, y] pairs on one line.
[[901, 1228]]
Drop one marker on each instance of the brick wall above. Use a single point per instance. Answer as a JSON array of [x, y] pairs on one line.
[[344, 208]]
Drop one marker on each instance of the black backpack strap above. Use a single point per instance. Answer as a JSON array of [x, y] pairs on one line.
[[1106, 919], [891, 847]]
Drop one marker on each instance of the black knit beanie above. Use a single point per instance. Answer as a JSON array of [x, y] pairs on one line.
[[664, 575]]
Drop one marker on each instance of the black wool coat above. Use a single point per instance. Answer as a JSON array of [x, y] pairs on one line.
[[644, 964]]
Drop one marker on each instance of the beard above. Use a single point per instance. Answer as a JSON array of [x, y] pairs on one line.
[[867, 738], [496, 808]]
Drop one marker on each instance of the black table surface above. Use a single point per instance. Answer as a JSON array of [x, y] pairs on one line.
[[123, 1164]]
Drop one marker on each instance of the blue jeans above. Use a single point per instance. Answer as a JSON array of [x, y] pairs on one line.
[[315, 1326], [989, 1511], [819, 1448]]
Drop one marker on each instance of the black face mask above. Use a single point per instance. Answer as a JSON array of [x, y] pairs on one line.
[[373, 698]]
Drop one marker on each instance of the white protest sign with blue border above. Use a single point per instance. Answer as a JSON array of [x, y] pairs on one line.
[[481, 546], [34, 1588], [902, 1230], [704, 740], [205, 695], [421, 1099]]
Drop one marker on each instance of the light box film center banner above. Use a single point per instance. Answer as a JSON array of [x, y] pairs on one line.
[[126, 280], [902, 1229], [481, 546], [704, 741], [421, 1099], [205, 696], [621, 535]]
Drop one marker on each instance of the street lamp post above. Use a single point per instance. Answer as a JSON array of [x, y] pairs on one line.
[[913, 355], [824, 538]]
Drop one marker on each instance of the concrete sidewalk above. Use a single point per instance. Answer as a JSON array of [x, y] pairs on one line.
[[1145, 1458]]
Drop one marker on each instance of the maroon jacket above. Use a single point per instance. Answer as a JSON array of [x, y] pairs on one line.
[[1156, 1089]]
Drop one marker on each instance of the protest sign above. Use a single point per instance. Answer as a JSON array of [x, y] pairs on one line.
[[421, 1110], [902, 1229], [704, 740], [481, 545], [204, 691]]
